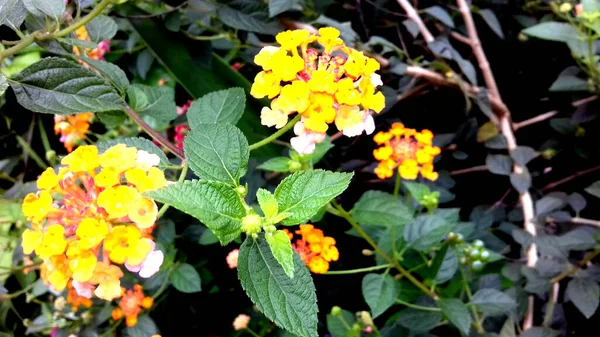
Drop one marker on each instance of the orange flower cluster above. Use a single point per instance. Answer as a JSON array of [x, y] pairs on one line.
[[131, 304], [85, 221], [410, 151], [76, 300], [72, 129], [315, 249]]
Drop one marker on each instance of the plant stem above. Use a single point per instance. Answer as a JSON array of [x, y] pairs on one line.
[[250, 331], [94, 13], [27, 148], [155, 135], [20, 292], [112, 328], [418, 307], [550, 306], [165, 283], [397, 184], [467, 288], [165, 207], [277, 134], [341, 212], [573, 269], [359, 270]]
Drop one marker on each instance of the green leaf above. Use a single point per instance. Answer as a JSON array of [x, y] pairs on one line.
[[585, 295], [290, 302], [418, 191], [143, 63], [548, 204], [564, 126], [145, 327], [492, 21], [138, 143], [101, 28], [277, 164], [267, 202], [508, 329], [457, 314], [554, 31], [52, 8], [3, 84], [380, 208], [493, 302], [341, 326], [346, 32], [111, 72], [379, 291], [521, 181], [320, 151], [277, 7], [499, 164], [136, 98], [440, 14], [419, 321], [281, 247], [569, 83], [538, 331], [78, 43], [55, 85], [208, 238], [166, 232], [215, 204], [217, 152], [224, 106], [239, 20], [523, 155], [159, 102], [448, 268], [426, 231], [594, 189], [12, 13], [186, 279], [303, 193]]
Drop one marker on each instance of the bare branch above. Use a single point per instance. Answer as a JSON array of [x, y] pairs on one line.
[[414, 16]]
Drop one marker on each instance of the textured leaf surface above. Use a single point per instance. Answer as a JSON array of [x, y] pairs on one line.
[[138, 143], [159, 102], [303, 193], [277, 164], [52, 8], [341, 326], [281, 247], [224, 106], [492, 301], [457, 313], [215, 204], [12, 12], [217, 152], [58, 86], [186, 279], [101, 28], [267, 202], [239, 20], [290, 302], [111, 72], [585, 294], [380, 208], [426, 231], [379, 291]]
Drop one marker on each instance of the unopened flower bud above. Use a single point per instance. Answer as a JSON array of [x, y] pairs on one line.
[[241, 190], [59, 303], [270, 229], [87, 317], [478, 243], [26, 322], [477, 265], [365, 316], [523, 37], [565, 7], [336, 311], [463, 260], [51, 155], [251, 224], [294, 166], [367, 252], [485, 255], [356, 327]]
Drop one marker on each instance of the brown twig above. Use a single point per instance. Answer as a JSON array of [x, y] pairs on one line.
[[589, 257], [536, 119], [155, 135], [569, 178], [414, 16], [580, 221], [461, 38], [469, 170]]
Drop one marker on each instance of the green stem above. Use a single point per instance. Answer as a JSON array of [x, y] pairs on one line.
[[277, 134], [112, 328], [397, 185], [467, 288], [155, 135], [165, 207], [207, 38], [418, 307], [341, 212], [549, 308], [344, 323], [86, 19], [250, 331], [20, 292], [359, 270], [27, 148], [165, 283]]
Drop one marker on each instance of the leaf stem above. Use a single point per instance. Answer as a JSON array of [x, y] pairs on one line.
[[155, 135], [20, 292], [359, 270], [551, 304], [418, 307], [27, 148], [250, 331], [467, 288], [397, 185], [573, 269], [165, 283], [86, 19], [277, 134], [338, 210], [165, 207]]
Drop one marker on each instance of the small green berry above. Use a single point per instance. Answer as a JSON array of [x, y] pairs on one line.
[[485, 255], [336, 311], [477, 265], [478, 243]]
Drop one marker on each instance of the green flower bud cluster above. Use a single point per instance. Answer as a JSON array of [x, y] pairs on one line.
[[455, 238], [474, 255]]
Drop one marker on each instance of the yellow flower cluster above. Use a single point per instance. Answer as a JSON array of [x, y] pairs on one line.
[[92, 216], [324, 88], [408, 150]]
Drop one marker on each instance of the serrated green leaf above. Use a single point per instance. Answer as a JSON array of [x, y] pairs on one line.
[[186, 279], [419, 321], [215, 204], [224, 106], [12, 13], [281, 247], [499, 164], [277, 164], [52, 8], [145, 327], [304, 193], [554, 31], [379, 291], [217, 152], [111, 72], [426, 231], [58, 86], [493, 302], [448, 268], [78, 43], [341, 326], [417, 191], [239, 20], [137, 142], [380, 208], [101, 28], [277, 7], [290, 302], [457, 313], [267, 202], [440, 14], [159, 102], [585, 295], [136, 98]]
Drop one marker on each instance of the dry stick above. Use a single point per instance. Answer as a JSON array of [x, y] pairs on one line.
[[536, 119], [569, 178], [506, 128], [413, 15], [479, 168]]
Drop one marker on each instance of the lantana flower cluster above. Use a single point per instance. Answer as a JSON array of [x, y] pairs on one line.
[[91, 217], [336, 85], [131, 304], [314, 248], [409, 151]]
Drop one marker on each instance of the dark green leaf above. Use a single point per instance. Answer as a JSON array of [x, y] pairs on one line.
[[548, 204], [281, 248], [208, 238], [490, 18], [523, 155], [521, 181], [440, 14], [457, 314], [564, 126], [554, 31], [239, 20], [381, 209], [426, 231], [52, 8], [144, 63], [290, 302], [508, 329], [156, 102], [166, 232], [341, 326], [304, 193], [224, 106], [418, 320], [448, 267], [538, 331], [277, 7], [145, 327], [577, 202], [55, 85], [594, 189], [418, 191], [217, 152], [569, 83], [12, 13], [492, 301], [320, 151], [499, 164], [346, 32], [498, 142], [277, 164], [379, 291], [101, 28], [173, 21], [186, 279], [111, 72], [138, 143], [216, 204], [585, 294]]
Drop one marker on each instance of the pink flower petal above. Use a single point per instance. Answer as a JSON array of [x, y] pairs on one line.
[[83, 289], [151, 264]]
